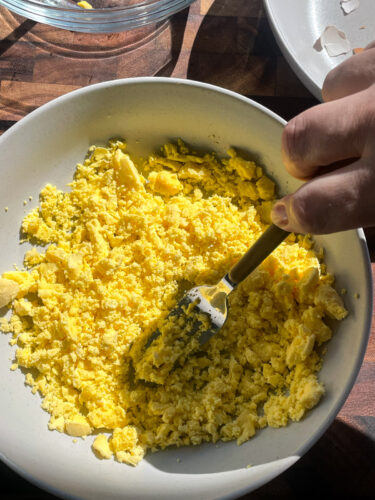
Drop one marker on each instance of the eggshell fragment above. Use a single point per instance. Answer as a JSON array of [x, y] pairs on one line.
[[349, 6], [335, 41]]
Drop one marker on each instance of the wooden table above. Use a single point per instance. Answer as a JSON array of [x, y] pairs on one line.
[[228, 43]]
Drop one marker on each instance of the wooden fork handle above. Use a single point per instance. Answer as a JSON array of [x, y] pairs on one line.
[[270, 239]]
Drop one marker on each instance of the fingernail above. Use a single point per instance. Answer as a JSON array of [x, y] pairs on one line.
[[279, 215]]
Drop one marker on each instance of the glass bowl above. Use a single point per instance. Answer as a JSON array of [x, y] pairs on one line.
[[106, 16]]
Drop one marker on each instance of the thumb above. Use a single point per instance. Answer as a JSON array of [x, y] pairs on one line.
[[337, 201]]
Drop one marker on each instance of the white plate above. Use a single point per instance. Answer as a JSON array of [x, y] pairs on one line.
[[297, 24], [44, 147]]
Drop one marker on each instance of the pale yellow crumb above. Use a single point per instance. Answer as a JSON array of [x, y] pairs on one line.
[[30, 198], [101, 446], [356, 295], [9, 290], [344, 291], [14, 366], [178, 460], [25, 202], [75, 440], [248, 466], [56, 423], [6, 209], [77, 425]]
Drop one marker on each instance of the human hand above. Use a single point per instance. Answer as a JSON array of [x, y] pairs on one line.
[[332, 146]]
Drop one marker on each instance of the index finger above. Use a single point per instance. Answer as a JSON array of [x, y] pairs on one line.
[[326, 134]]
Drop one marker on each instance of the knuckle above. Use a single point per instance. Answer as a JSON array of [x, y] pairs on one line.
[[311, 219], [365, 120], [340, 81], [295, 139], [368, 104], [330, 85]]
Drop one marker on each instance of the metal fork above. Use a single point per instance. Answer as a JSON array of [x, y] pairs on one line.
[[209, 302]]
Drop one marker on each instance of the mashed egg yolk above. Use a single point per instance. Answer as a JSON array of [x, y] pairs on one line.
[[120, 248]]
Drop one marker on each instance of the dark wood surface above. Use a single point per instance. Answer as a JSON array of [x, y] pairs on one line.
[[228, 43]]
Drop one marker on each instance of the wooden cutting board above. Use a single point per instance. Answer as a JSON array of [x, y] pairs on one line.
[[225, 42]]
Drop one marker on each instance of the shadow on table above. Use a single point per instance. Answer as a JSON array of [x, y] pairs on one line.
[[178, 25], [370, 238], [15, 35], [235, 48]]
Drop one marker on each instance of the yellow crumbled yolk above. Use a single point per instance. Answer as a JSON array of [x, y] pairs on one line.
[[165, 183], [125, 445], [84, 4], [178, 337], [121, 248]]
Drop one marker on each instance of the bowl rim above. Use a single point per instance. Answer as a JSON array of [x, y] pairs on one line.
[[82, 12], [94, 21], [289, 54], [136, 80], [299, 452]]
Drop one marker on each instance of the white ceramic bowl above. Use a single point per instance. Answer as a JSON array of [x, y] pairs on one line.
[[44, 147], [298, 25]]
